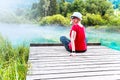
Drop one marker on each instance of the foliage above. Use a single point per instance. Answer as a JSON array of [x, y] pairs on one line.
[[87, 6], [115, 21], [98, 7], [96, 19], [88, 20], [42, 7], [79, 6], [64, 8], [45, 8], [93, 19], [95, 12], [112, 20], [13, 61], [52, 7], [55, 19]]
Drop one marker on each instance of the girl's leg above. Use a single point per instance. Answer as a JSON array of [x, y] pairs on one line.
[[65, 41]]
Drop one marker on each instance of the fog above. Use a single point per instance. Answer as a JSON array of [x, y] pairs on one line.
[[13, 4], [9, 10], [9, 4]]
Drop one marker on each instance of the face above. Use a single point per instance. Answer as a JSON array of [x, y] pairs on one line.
[[74, 20]]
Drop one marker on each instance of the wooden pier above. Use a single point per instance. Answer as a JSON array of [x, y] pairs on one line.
[[54, 63]]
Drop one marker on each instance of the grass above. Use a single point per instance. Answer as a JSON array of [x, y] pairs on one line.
[[13, 61]]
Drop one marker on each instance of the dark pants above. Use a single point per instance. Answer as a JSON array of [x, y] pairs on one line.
[[65, 41]]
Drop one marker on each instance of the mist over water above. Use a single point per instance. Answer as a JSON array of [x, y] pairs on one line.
[[12, 28], [17, 30], [28, 33], [19, 34]]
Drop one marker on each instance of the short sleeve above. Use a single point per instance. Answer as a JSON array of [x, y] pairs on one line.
[[74, 27]]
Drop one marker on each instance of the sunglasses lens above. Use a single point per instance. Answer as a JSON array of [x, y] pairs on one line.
[[72, 17]]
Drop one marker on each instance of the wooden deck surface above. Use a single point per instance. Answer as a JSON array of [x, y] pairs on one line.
[[54, 63]]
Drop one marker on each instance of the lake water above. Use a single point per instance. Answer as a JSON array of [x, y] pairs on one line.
[[29, 33], [19, 34]]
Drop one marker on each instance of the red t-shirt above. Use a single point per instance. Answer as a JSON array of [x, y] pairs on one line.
[[80, 40]]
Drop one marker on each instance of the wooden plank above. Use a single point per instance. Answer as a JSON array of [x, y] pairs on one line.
[[36, 68], [54, 63], [78, 58], [77, 74], [104, 77], [75, 64], [58, 44], [73, 70]]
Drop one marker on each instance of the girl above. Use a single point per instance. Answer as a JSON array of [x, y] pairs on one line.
[[77, 42]]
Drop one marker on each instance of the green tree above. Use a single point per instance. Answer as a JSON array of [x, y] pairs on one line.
[[40, 8], [78, 5], [99, 7], [43, 7], [33, 13], [34, 6], [52, 7], [64, 7], [47, 8]]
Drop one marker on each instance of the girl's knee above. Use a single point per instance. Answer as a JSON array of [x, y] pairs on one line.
[[62, 38]]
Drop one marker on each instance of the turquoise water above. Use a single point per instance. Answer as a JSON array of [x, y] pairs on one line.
[[19, 34], [106, 38], [28, 33]]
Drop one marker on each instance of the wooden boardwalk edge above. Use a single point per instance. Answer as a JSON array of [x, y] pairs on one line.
[[58, 44], [52, 62]]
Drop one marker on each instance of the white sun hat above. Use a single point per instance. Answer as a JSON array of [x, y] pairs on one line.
[[77, 14]]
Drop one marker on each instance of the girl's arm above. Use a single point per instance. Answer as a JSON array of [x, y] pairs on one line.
[[73, 36]]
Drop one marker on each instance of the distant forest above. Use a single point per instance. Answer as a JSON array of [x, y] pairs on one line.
[[116, 3]]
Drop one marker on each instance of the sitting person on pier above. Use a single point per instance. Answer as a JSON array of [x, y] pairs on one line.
[[77, 42]]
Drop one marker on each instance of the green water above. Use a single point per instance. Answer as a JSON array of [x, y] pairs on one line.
[[109, 39]]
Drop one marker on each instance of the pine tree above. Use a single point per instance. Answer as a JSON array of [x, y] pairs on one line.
[[53, 7], [43, 8]]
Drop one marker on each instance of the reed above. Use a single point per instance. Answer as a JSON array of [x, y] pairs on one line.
[[13, 61]]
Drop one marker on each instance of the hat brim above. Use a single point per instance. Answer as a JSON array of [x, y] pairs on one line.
[[75, 16]]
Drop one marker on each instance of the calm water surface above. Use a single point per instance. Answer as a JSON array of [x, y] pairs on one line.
[[29, 33], [19, 34]]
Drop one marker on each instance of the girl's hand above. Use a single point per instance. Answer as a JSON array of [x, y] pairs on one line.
[[72, 54]]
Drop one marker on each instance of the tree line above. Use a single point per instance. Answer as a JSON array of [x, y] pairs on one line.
[[95, 12], [52, 7]]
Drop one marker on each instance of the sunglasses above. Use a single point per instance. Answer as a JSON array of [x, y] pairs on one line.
[[73, 17]]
